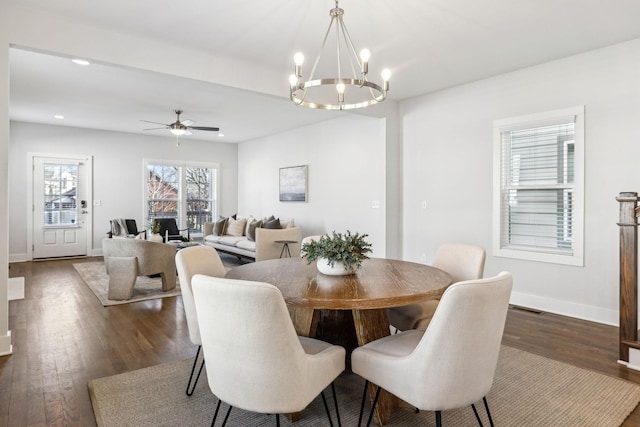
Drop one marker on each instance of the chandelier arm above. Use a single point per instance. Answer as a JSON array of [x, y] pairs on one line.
[[324, 41], [349, 43], [338, 25]]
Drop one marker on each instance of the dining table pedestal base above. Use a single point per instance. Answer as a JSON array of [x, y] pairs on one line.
[[338, 327]]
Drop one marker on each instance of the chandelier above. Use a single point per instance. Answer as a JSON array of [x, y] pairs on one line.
[[346, 91]]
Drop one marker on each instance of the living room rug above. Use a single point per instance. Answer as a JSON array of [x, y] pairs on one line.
[[146, 288], [528, 390]]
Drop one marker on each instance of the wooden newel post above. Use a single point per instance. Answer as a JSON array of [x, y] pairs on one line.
[[628, 273]]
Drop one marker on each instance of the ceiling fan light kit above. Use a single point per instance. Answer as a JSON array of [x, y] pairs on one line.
[[181, 127], [344, 93]]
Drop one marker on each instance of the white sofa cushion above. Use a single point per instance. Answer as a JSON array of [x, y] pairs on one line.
[[212, 238], [247, 244], [230, 240]]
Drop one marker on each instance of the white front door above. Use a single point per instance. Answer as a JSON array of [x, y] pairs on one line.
[[60, 206]]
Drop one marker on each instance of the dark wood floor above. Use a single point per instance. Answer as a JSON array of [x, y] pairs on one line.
[[63, 337]]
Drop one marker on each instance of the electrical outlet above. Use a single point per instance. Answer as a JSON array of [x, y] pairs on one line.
[[424, 204]]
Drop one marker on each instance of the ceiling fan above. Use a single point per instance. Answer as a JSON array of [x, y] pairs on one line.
[[180, 127]]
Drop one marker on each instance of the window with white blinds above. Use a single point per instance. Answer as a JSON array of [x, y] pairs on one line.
[[538, 194]]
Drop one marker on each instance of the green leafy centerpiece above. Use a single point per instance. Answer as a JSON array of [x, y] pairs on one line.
[[338, 254]]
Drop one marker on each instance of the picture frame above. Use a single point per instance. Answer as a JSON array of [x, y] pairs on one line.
[[293, 186]]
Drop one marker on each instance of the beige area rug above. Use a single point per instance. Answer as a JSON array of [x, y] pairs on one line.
[[529, 390], [146, 288]]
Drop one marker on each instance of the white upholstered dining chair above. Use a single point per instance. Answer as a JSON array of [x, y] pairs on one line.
[[255, 360], [189, 262], [462, 262], [452, 363]]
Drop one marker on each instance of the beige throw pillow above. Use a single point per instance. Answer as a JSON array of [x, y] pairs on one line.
[[235, 227]]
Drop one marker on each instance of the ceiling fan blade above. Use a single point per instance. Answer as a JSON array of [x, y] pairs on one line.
[[187, 122], [187, 133], [155, 128], [155, 123], [204, 128]]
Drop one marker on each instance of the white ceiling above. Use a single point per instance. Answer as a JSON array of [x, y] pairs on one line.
[[428, 44]]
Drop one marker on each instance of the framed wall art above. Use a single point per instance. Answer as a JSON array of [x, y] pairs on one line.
[[293, 184]]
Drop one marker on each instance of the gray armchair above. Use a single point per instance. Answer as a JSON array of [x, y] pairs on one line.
[[126, 259]]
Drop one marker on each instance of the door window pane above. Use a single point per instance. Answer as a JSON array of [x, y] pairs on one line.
[[60, 190]]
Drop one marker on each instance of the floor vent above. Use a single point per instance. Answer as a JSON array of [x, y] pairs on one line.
[[530, 310]]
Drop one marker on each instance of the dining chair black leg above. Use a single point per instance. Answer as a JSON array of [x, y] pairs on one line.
[[364, 396], [438, 419], [335, 403], [226, 417], [215, 415], [475, 411], [373, 406], [326, 408], [277, 420], [486, 407], [191, 388]]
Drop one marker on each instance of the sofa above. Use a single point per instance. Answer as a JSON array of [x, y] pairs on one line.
[[252, 238]]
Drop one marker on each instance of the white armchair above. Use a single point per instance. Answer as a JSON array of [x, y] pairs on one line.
[[450, 365], [255, 360]]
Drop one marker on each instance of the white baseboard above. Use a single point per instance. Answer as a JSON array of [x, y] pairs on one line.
[[15, 288], [566, 308]]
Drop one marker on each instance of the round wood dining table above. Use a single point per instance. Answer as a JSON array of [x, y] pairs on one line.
[[376, 286]]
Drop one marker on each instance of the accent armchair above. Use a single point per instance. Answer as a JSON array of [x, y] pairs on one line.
[[126, 259], [170, 232], [125, 228]]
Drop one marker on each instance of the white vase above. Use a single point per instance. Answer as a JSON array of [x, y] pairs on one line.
[[338, 268], [155, 237]]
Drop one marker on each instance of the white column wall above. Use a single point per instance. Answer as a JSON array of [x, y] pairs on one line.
[[447, 162], [5, 334]]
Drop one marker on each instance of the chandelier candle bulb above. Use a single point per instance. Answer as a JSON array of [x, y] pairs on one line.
[[340, 88], [293, 80], [386, 75], [298, 59], [365, 54]]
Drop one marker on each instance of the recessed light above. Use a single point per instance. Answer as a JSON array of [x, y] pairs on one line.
[[58, 116], [80, 61]]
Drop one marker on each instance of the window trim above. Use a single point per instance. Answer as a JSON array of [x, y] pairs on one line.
[[499, 126]]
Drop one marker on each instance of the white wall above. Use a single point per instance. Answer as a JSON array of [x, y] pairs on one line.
[[117, 169], [346, 159], [447, 160]]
